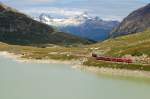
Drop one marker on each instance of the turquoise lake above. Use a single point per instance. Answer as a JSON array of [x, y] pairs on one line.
[[59, 81]]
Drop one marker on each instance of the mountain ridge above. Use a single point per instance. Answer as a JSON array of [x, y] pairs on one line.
[[18, 28], [137, 21]]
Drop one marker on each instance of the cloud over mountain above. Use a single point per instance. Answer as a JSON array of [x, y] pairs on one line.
[[55, 11], [106, 9]]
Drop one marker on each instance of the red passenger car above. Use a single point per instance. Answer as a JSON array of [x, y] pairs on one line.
[[111, 59]]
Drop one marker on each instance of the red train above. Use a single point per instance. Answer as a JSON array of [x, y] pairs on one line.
[[112, 59]]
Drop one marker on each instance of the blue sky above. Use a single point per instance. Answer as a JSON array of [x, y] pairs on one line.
[[106, 9]]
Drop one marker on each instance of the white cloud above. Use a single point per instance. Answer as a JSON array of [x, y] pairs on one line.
[[41, 0], [106, 9], [31, 0], [55, 11]]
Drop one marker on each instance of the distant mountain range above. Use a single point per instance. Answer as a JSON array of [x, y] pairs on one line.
[[137, 21], [82, 25], [18, 28]]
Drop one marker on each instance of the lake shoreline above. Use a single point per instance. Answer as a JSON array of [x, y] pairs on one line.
[[77, 64], [18, 58], [115, 72]]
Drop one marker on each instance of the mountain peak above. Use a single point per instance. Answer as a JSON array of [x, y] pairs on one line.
[[45, 15], [85, 14], [4, 7], [70, 21]]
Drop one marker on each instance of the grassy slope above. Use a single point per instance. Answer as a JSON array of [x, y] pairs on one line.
[[93, 62], [135, 45], [52, 52]]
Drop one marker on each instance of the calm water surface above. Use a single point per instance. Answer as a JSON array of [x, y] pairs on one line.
[[58, 81]]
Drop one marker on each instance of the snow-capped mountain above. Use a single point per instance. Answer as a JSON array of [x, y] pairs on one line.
[[82, 25], [71, 21]]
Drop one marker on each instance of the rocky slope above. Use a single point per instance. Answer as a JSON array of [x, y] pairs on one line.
[[18, 28], [137, 21]]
